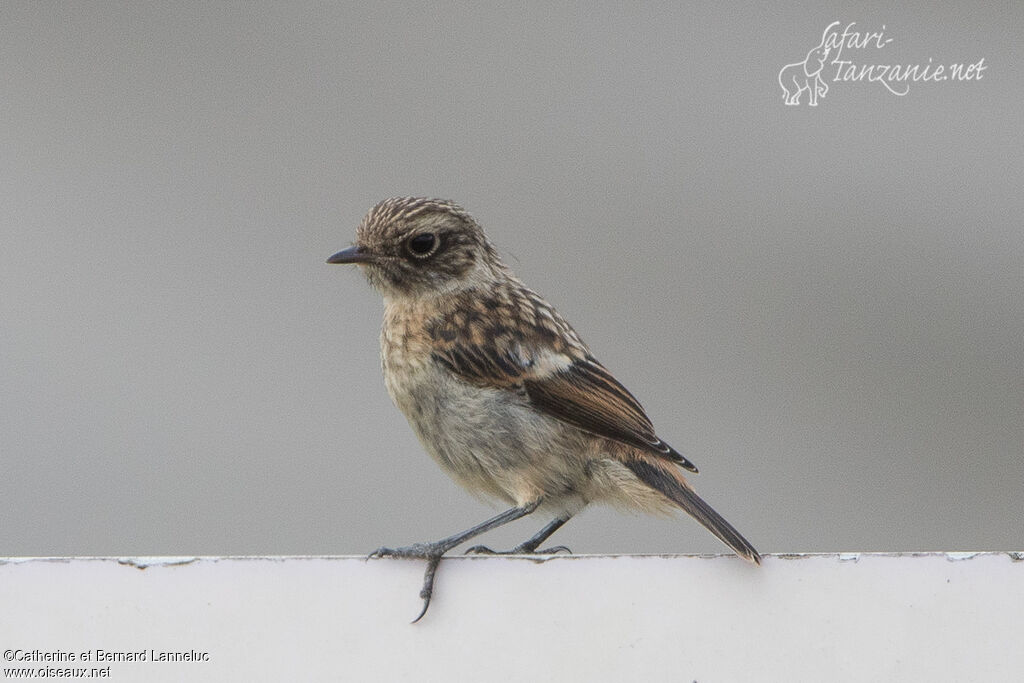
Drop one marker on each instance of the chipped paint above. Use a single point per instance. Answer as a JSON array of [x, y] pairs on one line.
[[147, 562], [959, 557]]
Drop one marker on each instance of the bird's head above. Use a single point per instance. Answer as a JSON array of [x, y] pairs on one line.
[[412, 246]]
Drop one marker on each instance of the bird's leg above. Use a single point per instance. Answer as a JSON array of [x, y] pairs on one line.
[[432, 552], [425, 551], [530, 545]]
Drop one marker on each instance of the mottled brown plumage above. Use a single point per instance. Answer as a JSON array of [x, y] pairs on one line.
[[500, 389], [504, 338]]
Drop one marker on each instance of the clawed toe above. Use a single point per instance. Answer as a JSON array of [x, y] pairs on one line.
[[554, 550], [427, 591], [416, 551], [518, 550], [431, 552]]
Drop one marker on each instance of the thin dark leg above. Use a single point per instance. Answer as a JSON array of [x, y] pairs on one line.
[[531, 544], [432, 552]]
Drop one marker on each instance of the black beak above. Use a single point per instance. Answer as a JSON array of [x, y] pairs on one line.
[[351, 255]]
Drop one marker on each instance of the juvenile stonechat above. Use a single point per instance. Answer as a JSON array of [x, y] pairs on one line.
[[501, 391]]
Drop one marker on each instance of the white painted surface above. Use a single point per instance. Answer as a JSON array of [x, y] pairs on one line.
[[922, 617]]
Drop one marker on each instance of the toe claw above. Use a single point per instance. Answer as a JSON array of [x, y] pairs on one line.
[[426, 604], [428, 585], [554, 550]]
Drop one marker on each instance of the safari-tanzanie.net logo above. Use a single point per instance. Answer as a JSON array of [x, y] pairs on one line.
[[849, 56]]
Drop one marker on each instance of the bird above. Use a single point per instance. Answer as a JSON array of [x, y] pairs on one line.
[[502, 392]]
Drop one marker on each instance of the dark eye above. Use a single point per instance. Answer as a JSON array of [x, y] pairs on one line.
[[423, 244]]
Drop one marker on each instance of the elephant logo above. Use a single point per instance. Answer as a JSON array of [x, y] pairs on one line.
[[805, 76]]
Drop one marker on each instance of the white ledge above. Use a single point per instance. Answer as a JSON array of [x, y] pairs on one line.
[[804, 617]]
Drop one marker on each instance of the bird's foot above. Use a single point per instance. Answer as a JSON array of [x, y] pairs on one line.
[[431, 552], [518, 550]]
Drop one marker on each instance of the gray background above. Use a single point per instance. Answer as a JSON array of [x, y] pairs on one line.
[[823, 308]]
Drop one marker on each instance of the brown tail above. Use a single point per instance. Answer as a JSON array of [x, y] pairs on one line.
[[675, 489]]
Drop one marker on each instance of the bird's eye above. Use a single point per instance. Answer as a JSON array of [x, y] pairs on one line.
[[422, 245]]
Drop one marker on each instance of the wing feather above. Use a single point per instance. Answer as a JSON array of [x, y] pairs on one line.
[[587, 396], [529, 347]]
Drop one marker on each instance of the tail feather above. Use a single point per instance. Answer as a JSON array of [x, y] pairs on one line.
[[675, 488]]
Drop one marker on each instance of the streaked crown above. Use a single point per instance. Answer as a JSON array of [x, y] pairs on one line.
[[413, 245]]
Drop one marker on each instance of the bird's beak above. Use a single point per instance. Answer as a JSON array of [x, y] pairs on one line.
[[352, 255]]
